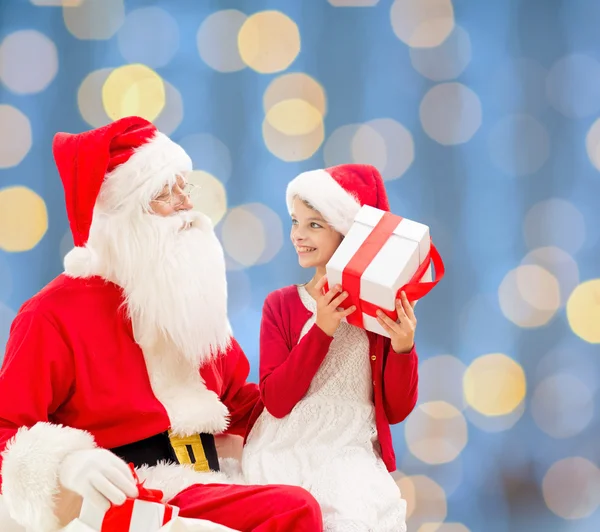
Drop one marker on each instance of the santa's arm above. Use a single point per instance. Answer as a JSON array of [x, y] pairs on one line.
[[239, 396], [35, 379], [287, 371], [400, 383]]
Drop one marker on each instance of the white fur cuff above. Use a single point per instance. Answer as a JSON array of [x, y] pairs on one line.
[[30, 471]]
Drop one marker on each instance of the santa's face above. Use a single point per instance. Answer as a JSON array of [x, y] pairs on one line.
[[172, 269]]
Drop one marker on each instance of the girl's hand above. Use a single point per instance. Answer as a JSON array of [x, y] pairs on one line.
[[329, 315], [402, 332]]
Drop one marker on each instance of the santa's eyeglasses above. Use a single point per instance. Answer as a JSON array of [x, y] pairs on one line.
[[189, 191]]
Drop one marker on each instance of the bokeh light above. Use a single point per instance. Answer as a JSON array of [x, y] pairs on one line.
[[56, 3], [89, 98], [353, 3], [269, 42], [94, 19], [560, 264], [450, 113], [217, 43], [436, 432], [583, 311], [561, 413], [149, 35], [519, 145], [171, 114], [133, 90], [443, 527], [252, 234], [294, 117], [592, 143], [15, 136], [446, 61], [23, 219], [494, 384], [573, 86], [28, 61], [529, 296], [292, 147], [211, 198], [440, 379], [571, 488], [295, 86], [425, 500], [554, 222], [208, 153], [422, 23], [382, 142]]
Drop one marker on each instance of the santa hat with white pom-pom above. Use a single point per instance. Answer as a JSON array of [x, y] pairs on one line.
[[112, 169]]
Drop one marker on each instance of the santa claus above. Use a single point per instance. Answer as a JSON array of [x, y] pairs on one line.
[[128, 355]]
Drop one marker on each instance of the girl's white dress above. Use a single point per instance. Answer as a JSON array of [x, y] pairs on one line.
[[327, 443]]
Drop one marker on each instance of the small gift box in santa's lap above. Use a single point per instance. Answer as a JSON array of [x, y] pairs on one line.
[[382, 255], [147, 513]]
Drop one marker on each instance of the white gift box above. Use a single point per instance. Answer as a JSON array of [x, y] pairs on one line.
[[381, 254], [135, 515]]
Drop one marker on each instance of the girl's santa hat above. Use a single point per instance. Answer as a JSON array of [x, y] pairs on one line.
[[339, 192], [117, 168]]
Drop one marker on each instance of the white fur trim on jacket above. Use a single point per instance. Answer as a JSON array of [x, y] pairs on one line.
[[174, 478], [30, 472], [325, 195]]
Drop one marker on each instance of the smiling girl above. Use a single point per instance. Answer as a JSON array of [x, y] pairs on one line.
[[329, 390]]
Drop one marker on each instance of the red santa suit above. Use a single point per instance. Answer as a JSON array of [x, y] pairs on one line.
[[75, 377]]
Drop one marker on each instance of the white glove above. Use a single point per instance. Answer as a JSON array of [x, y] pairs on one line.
[[99, 476]]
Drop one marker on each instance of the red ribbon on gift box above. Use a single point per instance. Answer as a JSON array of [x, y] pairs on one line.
[[414, 289], [118, 518]]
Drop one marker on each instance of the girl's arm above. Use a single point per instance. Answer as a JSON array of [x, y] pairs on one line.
[[286, 373], [400, 383]]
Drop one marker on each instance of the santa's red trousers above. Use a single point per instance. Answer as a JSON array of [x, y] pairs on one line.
[[271, 508]]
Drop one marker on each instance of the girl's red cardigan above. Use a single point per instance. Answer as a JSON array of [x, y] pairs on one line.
[[287, 367]]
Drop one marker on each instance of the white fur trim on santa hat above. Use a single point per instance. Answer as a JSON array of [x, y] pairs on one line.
[[30, 471], [152, 166], [81, 262], [326, 195]]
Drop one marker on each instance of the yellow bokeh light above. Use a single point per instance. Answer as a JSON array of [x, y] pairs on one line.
[[57, 3], [494, 385], [422, 23], [292, 148], [211, 198], [425, 500], [133, 90], [570, 488], [583, 311], [269, 42], [436, 432], [94, 19], [294, 117], [296, 85], [23, 219], [15, 136], [592, 143]]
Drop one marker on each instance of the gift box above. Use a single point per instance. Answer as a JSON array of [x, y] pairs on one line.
[[382, 255], [147, 513]]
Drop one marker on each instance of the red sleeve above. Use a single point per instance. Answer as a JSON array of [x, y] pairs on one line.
[[239, 396], [36, 375], [400, 384], [287, 371]]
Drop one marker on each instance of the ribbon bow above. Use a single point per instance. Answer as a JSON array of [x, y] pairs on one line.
[[146, 494]]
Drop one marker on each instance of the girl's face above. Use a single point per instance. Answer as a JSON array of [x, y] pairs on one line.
[[314, 239]]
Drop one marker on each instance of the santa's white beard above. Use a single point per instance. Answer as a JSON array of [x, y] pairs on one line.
[[172, 271]]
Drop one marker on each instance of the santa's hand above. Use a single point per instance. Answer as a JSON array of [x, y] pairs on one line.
[[99, 476]]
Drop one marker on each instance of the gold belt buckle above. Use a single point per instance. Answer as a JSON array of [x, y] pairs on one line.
[[189, 450]]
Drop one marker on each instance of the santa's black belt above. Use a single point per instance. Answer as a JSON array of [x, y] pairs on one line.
[[198, 450]]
